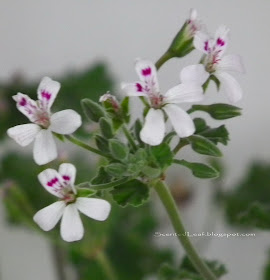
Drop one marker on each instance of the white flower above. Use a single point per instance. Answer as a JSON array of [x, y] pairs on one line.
[[43, 122], [61, 184], [220, 65], [190, 90], [193, 24]]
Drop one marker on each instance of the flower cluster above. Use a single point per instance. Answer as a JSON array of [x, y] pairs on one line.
[[142, 158]]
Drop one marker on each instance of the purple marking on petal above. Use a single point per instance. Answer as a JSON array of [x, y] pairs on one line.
[[46, 95], [139, 87], [23, 102], [52, 182], [65, 177], [206, 46], [146, 71], [220, 42]]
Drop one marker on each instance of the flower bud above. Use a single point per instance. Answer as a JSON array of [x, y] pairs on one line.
[[219, 111], [182, 44], [92, 110]]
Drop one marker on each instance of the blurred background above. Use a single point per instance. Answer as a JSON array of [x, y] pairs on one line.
[[90, 46]]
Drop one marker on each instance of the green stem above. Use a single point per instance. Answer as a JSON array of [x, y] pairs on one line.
[[106, 265], [171, 208], [84, 145], [129, 138], [109, 185], [181, 144], [165, 57]]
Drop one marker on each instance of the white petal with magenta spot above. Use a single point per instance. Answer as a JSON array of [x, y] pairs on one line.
[[200, 41], [232, 88], [181, 121], [65, 122], [44, 147], [133, 89], [24, 134], [68, 173], [71, 224], [51, 180], [194, 74], [48, 217], [47, 92], [147, 73], [95, 208], [153, 130]]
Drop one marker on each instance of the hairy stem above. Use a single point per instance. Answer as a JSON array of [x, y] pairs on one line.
[[84, 145], [129, 138], [104, 262], [165, 57], [171, 208]]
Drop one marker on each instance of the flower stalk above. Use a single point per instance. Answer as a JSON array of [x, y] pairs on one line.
[[173, 213]]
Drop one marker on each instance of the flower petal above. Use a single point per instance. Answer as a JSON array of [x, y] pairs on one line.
[[181, 121], [231, 86], [134, 89], [202, 42], [231, 63], [221, 39], [71, 224], [95, 208], [65, 122], [184, 93], [68, 173], [44, 147], [24, 134], [194, 74], [26, 105], [47, 92], [153, 130], [52, 181], [147, 73], [48, 217]]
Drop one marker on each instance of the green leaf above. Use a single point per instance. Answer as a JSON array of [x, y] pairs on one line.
[[186, 271], [247, 204], [200, 125], [92, 110], [199, 170], [219, 111], [84, 192], [102, 177], [151, 172], [204, 146], [118, 149], [162, 155], [102, 143], [216, 81], [116, 170], [137, 130], [216, 267], [257, 215], [217, 135], [125, 108], [106, 128], [134, 193]]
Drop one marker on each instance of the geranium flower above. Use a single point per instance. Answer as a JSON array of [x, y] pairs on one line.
[[193, 24], [216, 63], [43, 122], [61, 184], [190, 90]]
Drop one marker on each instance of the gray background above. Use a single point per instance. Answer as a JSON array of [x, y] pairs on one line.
[[49, 37]]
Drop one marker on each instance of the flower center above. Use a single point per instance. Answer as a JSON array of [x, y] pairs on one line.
[[42, 118], [68, 196], [156, 101]]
